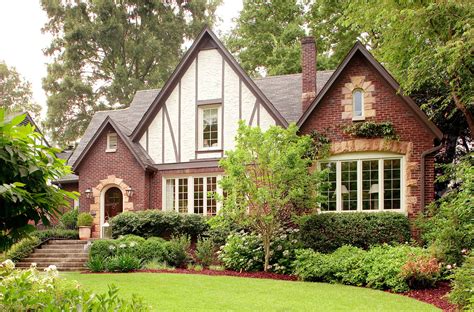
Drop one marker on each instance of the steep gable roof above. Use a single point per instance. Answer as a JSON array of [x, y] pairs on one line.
[[135, 148], [359, 48], [205, 40]]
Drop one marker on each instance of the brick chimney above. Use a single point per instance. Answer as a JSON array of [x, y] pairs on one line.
[[308, 77]]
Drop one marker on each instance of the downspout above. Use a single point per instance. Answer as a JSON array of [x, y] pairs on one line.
[[422, 172]]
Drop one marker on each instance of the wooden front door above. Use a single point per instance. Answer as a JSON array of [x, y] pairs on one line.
[[113, 203]]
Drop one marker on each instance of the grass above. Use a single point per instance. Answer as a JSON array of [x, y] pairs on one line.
[[181, 292]]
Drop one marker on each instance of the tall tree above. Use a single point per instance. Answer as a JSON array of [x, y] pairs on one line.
[[267, 180], [427, 45], [15, 92], [105, 50], [268, 33]]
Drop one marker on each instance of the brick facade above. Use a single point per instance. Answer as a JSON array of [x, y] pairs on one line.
[[329, 118], [309, 72]]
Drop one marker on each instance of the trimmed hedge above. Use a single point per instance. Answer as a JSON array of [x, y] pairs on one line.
[[325, 232], [56, 233], [155, 223]]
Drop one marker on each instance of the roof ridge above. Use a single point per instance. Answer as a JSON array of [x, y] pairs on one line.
[[295, 74]]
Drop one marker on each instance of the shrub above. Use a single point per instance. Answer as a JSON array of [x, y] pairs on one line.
[[155, 223], [347, 264], [178, 251], [154, 249], [122, 263], [242, 252], [284, 247], [85, 219], [421, 272], [69, 219], [462, 292], [325, 232], [312, 266], [383, 265], [30, 290], [23, 248], [56, 233], [103, 249], [447, 224], [205, 252], [157, 265], [370, 129], [96, 264]]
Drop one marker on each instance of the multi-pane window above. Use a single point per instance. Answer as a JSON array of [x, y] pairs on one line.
[[364, 184], [329, 187], [358, 103], [199, 195], [183, 195], [211, 199], [191, 194], [111, 142], [391, 183], [349, 185], [210, 127]]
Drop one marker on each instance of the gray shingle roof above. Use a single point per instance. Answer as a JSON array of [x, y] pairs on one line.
[[283, 91]]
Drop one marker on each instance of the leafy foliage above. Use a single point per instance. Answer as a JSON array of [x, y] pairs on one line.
[[69, 219], [381, 267], [463, 284], [85, 219], [267, 176], [122, 263], [154, 249], [23, 248], [15, 93], [31, 290], [371, 129], [447, 225], [205, 253], [56, 233], [26, 169], [421, 271], [178, 254], [104, 51], [156, 223], [325, 232]]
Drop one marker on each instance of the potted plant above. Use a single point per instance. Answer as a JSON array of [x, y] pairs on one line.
[[84, 222]]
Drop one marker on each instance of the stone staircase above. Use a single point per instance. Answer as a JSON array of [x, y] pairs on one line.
[[66, 255]]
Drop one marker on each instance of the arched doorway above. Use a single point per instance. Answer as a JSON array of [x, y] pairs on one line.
[[113, 203]]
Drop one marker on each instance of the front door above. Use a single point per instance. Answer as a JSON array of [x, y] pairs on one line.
[[113, 203]]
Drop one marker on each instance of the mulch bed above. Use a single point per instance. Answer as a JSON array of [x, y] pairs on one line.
[[434, 296]]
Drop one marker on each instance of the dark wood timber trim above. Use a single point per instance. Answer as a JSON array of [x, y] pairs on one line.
[[210, 151], [170, 126], [209, 102], [179, 121], [196, 116], [202, 163], [222, 106], [240, 99], [163, 136]]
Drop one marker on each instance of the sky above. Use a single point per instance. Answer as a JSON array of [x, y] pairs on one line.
[[22, 43]]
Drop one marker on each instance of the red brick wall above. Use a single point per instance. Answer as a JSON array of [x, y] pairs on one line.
[[97, 165], [308, 66], [70, 187], [327, 118]]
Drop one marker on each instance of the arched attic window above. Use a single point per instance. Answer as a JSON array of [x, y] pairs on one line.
[[358, 104]]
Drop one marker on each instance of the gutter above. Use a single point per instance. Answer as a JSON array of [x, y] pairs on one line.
[[422, 172]]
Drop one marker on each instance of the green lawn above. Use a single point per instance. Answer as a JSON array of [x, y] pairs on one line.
[[180, 292]]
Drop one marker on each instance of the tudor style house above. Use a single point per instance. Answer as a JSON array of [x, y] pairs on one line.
[[163, 151]]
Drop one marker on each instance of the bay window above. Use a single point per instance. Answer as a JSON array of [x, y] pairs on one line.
[[191, 194], [363, 182]]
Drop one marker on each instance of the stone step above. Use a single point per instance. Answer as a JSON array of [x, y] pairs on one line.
[[61, 250], [54, 260], [62, 269], [68, 246], [45, 264], [67, 241], [37, 254]]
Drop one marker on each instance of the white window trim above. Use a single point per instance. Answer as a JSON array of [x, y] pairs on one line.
[[359, 157], [190, 191], [362, 116], [201, 109], [111, 150]]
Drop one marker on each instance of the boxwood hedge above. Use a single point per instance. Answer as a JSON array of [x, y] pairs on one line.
[[325, 232]]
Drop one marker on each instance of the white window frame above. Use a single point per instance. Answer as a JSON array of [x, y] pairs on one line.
[[359, 157], [201, 109], [362, 116], [190, 179], [109, 149]]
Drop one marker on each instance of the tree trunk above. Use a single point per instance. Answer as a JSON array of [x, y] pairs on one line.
[[266, 248], [467, 114]]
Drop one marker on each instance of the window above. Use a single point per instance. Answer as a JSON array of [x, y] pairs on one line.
[[191, 194], [111, 142], [209, 127], [358, 104], [364, 183]]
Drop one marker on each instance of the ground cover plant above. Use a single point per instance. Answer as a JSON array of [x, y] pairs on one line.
[[179, 292]]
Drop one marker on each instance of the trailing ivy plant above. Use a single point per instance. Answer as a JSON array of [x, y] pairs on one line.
[[370, 129]]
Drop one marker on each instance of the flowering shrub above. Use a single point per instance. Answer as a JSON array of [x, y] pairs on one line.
[[383, 267], [421, 271], [122, 263], [30, 290], [463, 285], [243, 251]]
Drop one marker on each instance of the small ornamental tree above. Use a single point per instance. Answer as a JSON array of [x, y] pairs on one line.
[[268, 179], [26, 170]]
